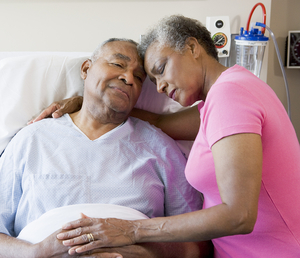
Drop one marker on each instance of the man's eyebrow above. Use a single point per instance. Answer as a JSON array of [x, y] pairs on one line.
[[121, 56], [127, 58]]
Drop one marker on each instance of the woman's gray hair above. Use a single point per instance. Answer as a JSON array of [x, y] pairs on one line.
[[173, 31], [94, 57]]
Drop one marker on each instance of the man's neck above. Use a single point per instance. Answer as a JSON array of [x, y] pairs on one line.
[[91, 126]]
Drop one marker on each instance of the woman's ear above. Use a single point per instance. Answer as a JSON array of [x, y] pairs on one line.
[[194, 46], [85, 67]]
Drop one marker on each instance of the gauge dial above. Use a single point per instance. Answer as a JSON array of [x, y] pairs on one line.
[[293, 57], [219, 39], [296, 50]]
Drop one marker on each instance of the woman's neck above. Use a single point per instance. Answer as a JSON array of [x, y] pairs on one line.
[[213, 70]]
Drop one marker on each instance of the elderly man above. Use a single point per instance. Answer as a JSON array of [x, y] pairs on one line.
[[96, 155]]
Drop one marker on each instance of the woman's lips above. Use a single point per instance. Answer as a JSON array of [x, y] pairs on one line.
[[172, 94]]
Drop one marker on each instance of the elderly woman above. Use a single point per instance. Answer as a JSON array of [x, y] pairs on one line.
[[245, 158]]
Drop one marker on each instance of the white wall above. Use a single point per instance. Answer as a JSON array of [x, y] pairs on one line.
[[79, 25], [285, 17]]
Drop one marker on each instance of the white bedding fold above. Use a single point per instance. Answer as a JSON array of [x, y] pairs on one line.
[[52, 220]]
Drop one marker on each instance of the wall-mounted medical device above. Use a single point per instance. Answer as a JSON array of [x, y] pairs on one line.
[[293, 49], [219, 27]]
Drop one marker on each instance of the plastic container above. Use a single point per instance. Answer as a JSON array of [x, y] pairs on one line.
[[250, 49]]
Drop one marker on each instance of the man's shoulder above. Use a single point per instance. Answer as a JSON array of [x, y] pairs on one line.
[[145, 129], [149, 134], [45, 125]]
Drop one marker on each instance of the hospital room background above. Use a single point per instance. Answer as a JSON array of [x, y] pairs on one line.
[[79, 25]]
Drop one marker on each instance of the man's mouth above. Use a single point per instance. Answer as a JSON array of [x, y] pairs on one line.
[[120, 91]]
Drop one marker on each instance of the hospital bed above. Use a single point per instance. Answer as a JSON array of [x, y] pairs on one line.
[[30, 82]]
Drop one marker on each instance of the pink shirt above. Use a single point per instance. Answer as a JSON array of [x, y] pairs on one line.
[[239, 102]]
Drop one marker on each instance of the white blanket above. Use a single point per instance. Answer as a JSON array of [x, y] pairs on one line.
[[53, 220]]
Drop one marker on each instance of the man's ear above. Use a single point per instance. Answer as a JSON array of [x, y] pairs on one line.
[[84, 68], [193, 45]]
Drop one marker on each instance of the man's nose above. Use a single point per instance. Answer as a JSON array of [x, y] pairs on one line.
[[127, 77]]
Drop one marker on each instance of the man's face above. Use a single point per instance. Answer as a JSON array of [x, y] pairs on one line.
[[113, 83]]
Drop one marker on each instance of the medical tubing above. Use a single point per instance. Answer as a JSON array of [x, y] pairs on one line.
[[281, 66], [264, 16]]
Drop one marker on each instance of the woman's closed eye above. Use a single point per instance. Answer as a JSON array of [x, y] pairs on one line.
[[161, 69]]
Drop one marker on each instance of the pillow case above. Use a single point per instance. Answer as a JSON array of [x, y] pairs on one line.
[[31, 82], [28, 84]]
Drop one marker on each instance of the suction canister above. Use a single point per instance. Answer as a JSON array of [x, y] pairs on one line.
[[250, 48]]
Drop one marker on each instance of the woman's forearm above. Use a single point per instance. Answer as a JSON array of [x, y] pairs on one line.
[[217, 221], [214, 222], [183, 125]]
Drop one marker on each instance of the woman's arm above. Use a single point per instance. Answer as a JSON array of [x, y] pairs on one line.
[[238, 164], [59, 108], [183, 125]]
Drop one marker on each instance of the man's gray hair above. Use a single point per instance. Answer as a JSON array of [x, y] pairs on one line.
[[173, 31], [97, 51]]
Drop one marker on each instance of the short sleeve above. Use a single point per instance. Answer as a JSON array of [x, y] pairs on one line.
[[231, 109]]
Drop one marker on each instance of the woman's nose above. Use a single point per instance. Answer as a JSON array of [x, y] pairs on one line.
[[161, 87]]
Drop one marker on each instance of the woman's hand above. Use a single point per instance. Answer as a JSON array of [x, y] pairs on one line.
[[104, 232], [53, 247], [59, 108]]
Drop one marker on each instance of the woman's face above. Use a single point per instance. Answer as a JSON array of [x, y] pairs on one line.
[[174, 73]]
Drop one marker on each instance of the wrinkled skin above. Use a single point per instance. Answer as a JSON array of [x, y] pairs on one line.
[[53, 247], [58, 108], [112, 232], [77, 231]]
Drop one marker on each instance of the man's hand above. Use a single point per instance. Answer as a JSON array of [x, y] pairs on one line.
[[52, 247], [59, 108], [154, 250], [147, 250]]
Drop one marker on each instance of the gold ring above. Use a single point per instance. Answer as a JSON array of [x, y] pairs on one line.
[[90, 237]]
